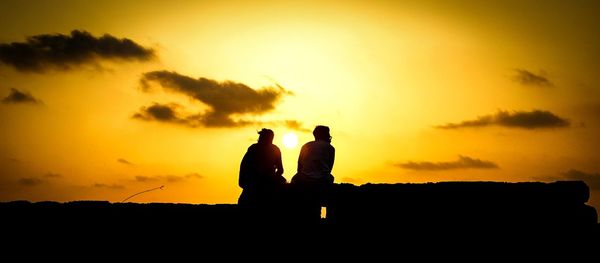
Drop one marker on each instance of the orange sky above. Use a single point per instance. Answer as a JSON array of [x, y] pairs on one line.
[[414, 91]]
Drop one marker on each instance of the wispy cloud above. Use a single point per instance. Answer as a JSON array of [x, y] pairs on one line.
[[53, 175], [528, 78], [63, 52], [166, 113], [228, 101], [144, 179], [18, 97], [167, 178], [463, 162], [194, 175], [30, 181], [108, 186], [295, 125], [123, 161], [536, 119]]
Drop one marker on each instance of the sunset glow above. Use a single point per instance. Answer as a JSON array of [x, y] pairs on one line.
[[101, 100], [290, 140]]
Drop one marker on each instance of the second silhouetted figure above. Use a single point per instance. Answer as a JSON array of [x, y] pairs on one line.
[[313, 181]]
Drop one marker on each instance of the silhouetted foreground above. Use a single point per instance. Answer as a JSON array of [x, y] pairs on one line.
[[432, 213], [558, 206]]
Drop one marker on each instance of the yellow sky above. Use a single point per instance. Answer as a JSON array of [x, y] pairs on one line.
[[381, 74]]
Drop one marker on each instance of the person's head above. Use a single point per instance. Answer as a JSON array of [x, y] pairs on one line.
[[266, 136], [322, 133]]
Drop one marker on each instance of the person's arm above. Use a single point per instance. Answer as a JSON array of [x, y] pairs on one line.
[[278, 163], [300, 157], [244, 177], [331, 158]]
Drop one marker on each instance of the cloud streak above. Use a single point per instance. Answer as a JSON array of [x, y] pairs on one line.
[[53, 175], [108, 186], [227, 100], [463, 162], [295, 125], [168, 113], [536, 119], [30, 181], [63, 52], [167, 178], [528, 78], [20, 97], [123, 161]]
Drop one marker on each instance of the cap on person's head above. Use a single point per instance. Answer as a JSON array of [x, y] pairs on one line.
[[266, 135], [321, 132]]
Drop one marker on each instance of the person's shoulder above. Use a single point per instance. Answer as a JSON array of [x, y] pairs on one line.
[[275, 147], [322, 143], [308, 144]]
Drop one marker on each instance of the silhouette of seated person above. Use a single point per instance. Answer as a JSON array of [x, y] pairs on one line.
[[261, 175], [313, 180]]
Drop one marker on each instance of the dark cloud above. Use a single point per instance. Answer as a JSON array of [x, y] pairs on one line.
[[536, 119], [295, 125], [463, 162], [528, 78], [17, 96], [144, 179], [226, 100], [53, 175], [123, 161], [63, 52], [591, 179], [30, 181], [172, 113], [168, 113], [194, 175], [107, 186], [167, 178], [172, 178]]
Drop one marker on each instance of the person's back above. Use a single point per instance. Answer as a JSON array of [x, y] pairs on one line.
[[261, 172], [316, 161], [261, 166], [313, 181]]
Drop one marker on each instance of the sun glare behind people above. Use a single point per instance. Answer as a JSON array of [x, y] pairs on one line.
[[290, 140]]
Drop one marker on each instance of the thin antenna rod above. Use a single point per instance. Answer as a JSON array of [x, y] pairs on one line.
[[161, 187]]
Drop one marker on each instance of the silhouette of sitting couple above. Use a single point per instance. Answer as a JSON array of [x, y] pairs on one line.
[[266, 191]]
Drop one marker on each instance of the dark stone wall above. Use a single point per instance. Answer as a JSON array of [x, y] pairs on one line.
[[370, 215], [467, 206]]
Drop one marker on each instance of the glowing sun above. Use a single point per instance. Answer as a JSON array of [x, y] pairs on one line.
[[290, 140]]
